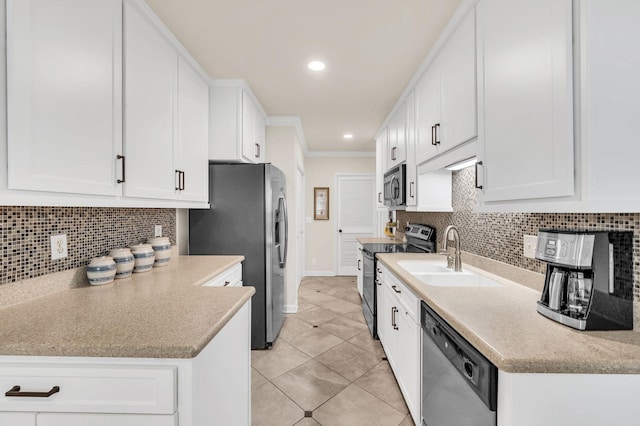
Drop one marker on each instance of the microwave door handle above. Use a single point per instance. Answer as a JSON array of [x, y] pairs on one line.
[[395, 190]]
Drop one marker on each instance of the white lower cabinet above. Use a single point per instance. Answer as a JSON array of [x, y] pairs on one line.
[[66, 419], [399, 333], [18, 419], [232, 277], [134, 391]]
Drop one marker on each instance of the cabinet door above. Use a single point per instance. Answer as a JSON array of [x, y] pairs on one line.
[[64, 95], [458, 81], [381, 166], [412, 172], [151, 66], [193, 128], [427, 113], [250, 147], [72, 419], [409, 362], [259, 133], [525, 99], [18, 419], [389, 317]]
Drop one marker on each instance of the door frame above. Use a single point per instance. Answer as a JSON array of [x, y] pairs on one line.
[[334, 200]]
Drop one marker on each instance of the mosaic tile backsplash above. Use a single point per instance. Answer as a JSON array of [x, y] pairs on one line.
[[25, 234], [499, 236]]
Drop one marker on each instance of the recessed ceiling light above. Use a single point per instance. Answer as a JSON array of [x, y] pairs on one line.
[[316, 65], [348, 136]]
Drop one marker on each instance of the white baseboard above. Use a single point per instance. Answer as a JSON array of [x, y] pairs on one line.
[[290, 309], [320, 274]]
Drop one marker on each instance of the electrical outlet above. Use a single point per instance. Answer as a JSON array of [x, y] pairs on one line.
[[58, 246], [530, 245], [158, 230]]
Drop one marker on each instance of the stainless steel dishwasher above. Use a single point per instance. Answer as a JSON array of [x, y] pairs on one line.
[[459, 385]]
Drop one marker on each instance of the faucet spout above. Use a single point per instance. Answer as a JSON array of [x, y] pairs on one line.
[[452, 230]]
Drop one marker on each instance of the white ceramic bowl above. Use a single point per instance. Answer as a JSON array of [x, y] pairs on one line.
[[101, 270], [143, 257], [162, 248], [124, 262]]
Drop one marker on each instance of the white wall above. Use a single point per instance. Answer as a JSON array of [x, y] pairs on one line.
[[284, 152], [321, 234]]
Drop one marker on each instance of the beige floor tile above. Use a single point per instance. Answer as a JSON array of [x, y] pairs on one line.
[[311, 384], [341, 306], [356, 316], [356, 407], [305, 305], [257, 379], [340, 292], [293, 326], [320, 285], [317, 316], [368, 343], [344, 328], [408, 421], [353, 297], [380, 382], [278, 360], [307, 421], [349, 360], [315, 297], [314, 341], [270, 407]]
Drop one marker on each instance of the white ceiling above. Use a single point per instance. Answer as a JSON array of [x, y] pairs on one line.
[[372, 49]]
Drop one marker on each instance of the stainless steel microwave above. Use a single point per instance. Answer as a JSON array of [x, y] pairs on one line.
[[395, 182]]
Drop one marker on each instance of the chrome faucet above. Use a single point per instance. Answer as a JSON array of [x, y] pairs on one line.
[[456, 262]]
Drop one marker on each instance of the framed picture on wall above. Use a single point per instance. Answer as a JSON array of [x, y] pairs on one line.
[[321, 203]]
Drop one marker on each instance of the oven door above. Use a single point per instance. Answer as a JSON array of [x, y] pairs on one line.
[[369, 291]]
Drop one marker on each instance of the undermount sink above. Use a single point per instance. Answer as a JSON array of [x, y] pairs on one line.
[[424, 267], [435, 274]]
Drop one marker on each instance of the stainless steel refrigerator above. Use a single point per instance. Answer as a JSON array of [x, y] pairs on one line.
[[248, 216]]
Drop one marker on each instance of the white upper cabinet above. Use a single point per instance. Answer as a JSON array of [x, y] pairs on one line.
[[193, 134], [382, 143], [411, 171], [525, 79], [446, 99], [397, 151], [237, 125], [64, 95], [151, 75], [166, 117]]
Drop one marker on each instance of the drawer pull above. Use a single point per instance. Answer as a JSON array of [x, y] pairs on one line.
[[395, 289], [226, 283], [15, 391]]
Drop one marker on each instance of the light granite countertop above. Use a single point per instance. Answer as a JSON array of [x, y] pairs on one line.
[[163, 313], [503, 324]]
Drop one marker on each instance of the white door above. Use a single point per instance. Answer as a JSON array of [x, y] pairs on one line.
[[355, 209]]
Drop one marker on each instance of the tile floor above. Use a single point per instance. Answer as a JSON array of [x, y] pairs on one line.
[[325, 369]]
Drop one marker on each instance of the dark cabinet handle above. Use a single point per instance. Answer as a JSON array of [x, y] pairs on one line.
[[411, 185], [479, 163], [15, 391], [182, 174], [359, 269], [395, 289], [433, 135], [393, 317], [437, 127], [177, 180], [379, 197], [121, 157], [393, 153], [257, 150], [226, 283], [379, 270]]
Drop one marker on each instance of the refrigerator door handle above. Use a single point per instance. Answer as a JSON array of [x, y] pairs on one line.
[[286, 231], [283, 245]]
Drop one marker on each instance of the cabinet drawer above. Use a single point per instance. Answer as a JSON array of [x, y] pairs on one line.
[[229, 278], [90, 389], [400, 289], [72, 419]]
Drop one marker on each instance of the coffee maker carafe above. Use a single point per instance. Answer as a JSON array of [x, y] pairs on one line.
[[589, 280]]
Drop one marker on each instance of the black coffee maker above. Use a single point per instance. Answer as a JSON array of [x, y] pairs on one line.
[[589, 281]]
